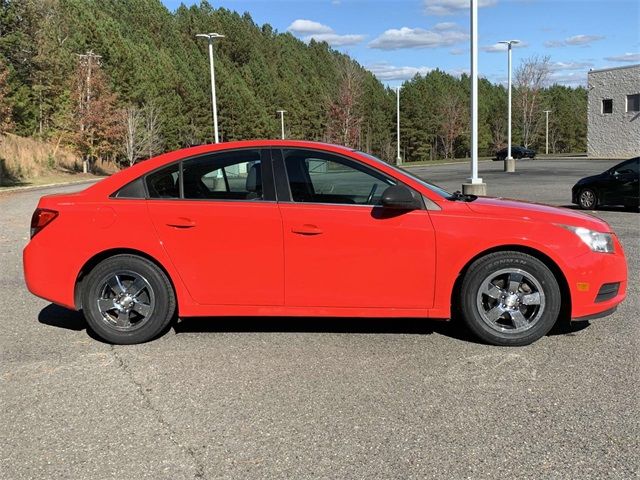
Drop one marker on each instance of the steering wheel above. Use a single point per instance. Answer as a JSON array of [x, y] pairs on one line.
[[372, 193]]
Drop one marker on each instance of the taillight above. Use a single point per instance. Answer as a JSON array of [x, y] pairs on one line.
[[40, 219]]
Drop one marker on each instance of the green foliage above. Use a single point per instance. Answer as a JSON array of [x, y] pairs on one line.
[[150, 56]]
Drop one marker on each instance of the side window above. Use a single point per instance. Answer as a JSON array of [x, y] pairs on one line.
[[628, 167], [164, 183], [320, 177], [233, 175]]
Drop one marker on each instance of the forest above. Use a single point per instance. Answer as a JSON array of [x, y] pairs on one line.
[[120, 81]]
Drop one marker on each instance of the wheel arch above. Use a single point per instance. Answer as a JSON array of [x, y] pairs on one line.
[[99, 257], [563, 284]]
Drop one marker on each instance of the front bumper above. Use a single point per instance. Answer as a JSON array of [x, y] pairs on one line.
[[597, 281]]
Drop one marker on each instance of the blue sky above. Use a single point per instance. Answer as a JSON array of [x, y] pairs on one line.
[[396, 39]]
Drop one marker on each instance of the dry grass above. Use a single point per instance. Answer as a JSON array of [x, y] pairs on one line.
[[28, 159]]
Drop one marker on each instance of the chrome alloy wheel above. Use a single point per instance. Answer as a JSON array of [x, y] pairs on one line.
[[126, 301], [587, 199], [510, 300]]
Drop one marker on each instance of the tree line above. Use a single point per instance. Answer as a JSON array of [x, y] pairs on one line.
[[125, 80]]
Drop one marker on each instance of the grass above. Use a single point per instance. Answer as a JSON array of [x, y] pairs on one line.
[[28, 161]]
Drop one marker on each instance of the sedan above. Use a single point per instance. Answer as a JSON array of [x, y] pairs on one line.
[[616, 186], [516, 152], [290, 228]]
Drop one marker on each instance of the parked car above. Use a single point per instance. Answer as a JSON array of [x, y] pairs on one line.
[[517, 151], [292, 228], [616, 186]]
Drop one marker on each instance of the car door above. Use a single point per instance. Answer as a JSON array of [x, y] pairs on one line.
[[625, 178], [341, 248], [217, 218]]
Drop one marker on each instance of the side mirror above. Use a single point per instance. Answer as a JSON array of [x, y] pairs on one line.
[[399, 197]]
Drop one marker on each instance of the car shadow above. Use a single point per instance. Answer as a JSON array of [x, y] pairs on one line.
[[619, 209], [60, 317]]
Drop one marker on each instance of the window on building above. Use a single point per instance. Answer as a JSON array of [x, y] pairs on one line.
[[633, 103], [607, 105]]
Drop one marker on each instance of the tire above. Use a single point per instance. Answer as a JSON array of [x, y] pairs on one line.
[[127, 299], [509, 299], [587, 199]]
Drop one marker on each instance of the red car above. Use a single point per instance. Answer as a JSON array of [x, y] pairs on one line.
[[275, 228]]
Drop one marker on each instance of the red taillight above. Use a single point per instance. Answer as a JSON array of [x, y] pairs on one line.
[[40, 219]]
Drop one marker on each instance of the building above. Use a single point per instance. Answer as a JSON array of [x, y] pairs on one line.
[[613, 129]]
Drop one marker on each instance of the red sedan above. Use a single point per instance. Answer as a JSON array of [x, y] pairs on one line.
[[276, 228]]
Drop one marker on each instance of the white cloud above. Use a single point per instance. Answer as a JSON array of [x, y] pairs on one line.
[[571, 79], [310, 30], [308, 27], [452, 7], [568, 66], [336, 40], [627, 57], [446, 26], [501, 47], [417, 38], [579, 40], [386, 72]]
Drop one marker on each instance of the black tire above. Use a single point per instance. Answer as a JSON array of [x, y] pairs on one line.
[[487, 290], [588, 199], [127, 299]]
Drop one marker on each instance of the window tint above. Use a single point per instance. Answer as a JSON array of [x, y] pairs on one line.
[[319, 177], [164, 183], [607, 105], [233, 175], [633, 103], [134, 189], [630, 165]]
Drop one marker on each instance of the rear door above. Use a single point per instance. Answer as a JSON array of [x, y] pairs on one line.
[[217, 218], [341, 248]]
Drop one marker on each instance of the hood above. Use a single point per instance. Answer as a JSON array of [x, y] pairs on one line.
[[591, 178], [505, 208]]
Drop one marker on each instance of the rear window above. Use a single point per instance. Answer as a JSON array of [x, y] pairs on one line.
[[164, 183]]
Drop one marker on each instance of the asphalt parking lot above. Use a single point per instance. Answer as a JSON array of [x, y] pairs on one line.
[[321, 398]]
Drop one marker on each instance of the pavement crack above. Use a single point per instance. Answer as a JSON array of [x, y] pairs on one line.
[[148, 404]]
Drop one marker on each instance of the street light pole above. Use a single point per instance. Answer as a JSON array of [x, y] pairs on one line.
[[211, 37], [475, 185], [281, 112], [509, 163], [399, 158], [547, 136]]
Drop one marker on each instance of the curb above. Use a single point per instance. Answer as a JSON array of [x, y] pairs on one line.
[[47, 185]]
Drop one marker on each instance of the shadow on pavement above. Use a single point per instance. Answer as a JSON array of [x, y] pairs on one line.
[[61, 317], [604, 209], [407, 326]]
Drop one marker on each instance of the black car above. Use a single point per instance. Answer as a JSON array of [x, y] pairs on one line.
[[616, 186], [517, 151]]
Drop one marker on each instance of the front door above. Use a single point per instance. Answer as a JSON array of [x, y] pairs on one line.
[[341, 248], [217, 218]]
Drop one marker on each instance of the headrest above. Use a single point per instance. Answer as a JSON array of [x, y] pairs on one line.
[[254, 178]]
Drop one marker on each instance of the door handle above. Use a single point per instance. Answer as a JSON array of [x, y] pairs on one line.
[[181, 222], [306, 229]]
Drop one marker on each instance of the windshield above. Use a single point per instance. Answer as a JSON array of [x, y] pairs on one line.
[[434, 188]]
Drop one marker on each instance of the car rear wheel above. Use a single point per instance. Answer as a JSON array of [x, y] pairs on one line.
[[587, 199], [510, 299], [127, 299]]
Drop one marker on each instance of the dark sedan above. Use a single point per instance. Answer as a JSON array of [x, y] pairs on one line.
[[517, 151], [616, 186]]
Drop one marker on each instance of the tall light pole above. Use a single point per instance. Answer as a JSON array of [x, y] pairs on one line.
[[211, 37], [281, 112], [509, 163], [398, 158], [547, 136], [475, 185]]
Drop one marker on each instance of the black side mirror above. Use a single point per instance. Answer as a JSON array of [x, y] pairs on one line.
[[400, 197]]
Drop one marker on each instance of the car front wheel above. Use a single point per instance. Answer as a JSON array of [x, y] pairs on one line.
[[510, 299], [587, 199], [127, 299]]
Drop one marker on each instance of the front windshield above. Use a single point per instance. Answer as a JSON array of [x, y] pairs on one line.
[[434, 188]]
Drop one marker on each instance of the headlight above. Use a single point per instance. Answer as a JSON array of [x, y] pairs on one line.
[[596, 241]]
